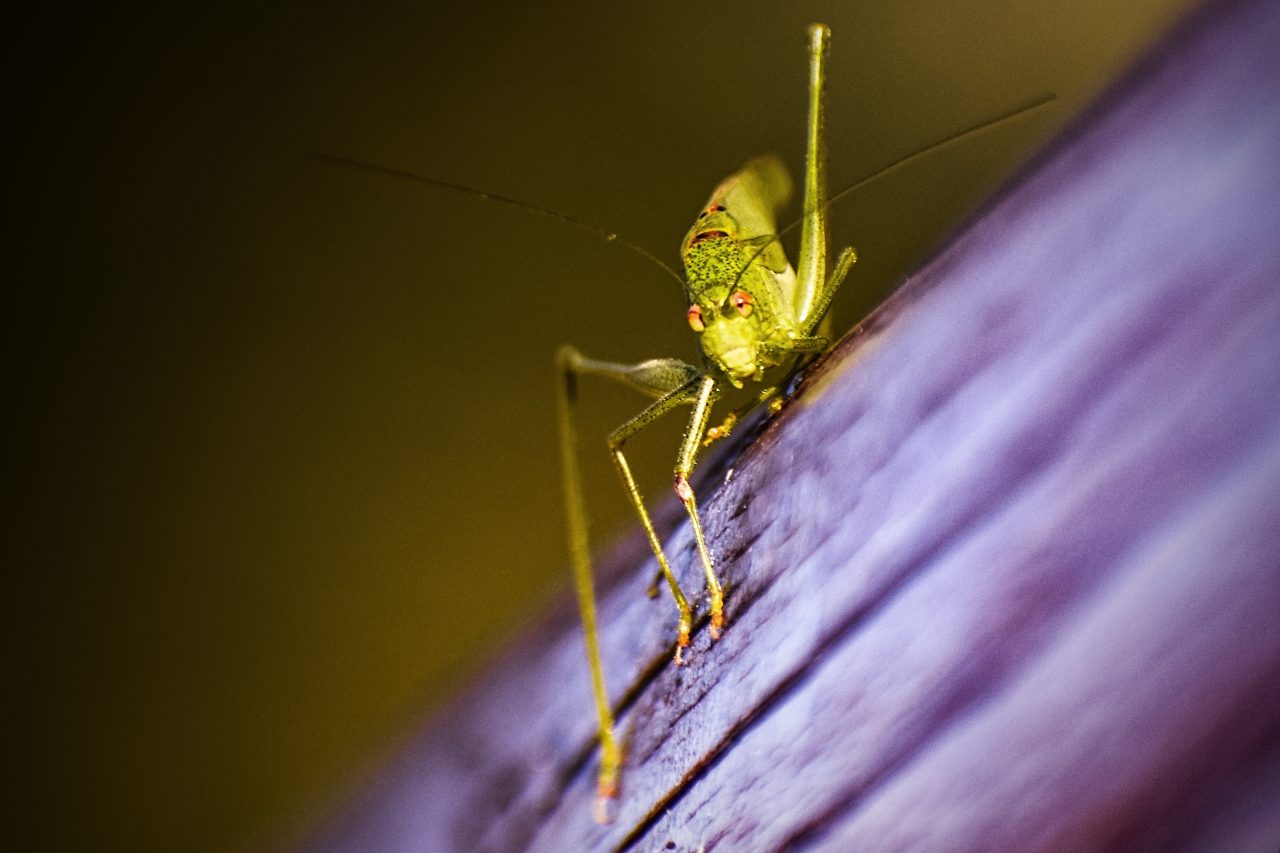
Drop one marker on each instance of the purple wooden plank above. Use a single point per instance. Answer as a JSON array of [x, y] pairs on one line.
[[1005, 575]]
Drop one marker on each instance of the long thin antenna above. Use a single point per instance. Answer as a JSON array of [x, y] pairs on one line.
[[928, 149], [902, 161], [608, 236]]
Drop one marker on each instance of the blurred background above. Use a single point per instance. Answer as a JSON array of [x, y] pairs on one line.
[[285, 438]]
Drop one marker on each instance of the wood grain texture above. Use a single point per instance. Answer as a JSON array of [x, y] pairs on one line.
[[1004, 575]]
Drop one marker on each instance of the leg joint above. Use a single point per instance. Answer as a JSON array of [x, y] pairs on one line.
[[568, 359], [683, 490]]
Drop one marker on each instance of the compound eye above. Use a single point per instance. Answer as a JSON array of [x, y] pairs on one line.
[[742, 301], [695, 318]]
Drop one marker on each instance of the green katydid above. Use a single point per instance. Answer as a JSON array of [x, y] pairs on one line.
[[753, 314]]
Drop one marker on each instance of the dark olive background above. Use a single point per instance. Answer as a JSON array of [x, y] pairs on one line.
[[285, 447]]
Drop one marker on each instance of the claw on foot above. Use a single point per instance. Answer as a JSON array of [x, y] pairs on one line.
[[718, 432], [603, 800], [717, 622], [682, 640]]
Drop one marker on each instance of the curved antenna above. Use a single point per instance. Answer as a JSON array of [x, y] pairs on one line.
[[900, 162], [609, 236]]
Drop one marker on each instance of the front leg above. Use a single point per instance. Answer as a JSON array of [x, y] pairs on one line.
[[699, 391], [731, 420], [684, 467], [847, 259]]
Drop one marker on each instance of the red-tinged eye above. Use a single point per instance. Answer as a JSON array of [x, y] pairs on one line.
[[742, 301], [695, 318], [707, 235]]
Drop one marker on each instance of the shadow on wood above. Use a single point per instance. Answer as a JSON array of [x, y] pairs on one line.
[[1004, 575]]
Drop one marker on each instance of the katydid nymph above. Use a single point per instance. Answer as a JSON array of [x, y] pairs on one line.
[[755, 316], [756, 319], [752, 313]]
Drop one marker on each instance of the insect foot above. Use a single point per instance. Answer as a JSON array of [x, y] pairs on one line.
[[682, 639], [717, 615], [607, 789], [685, 493], [718, 432], [601, 810]]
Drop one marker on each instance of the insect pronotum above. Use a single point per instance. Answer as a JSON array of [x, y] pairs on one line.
[[754, 315]]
